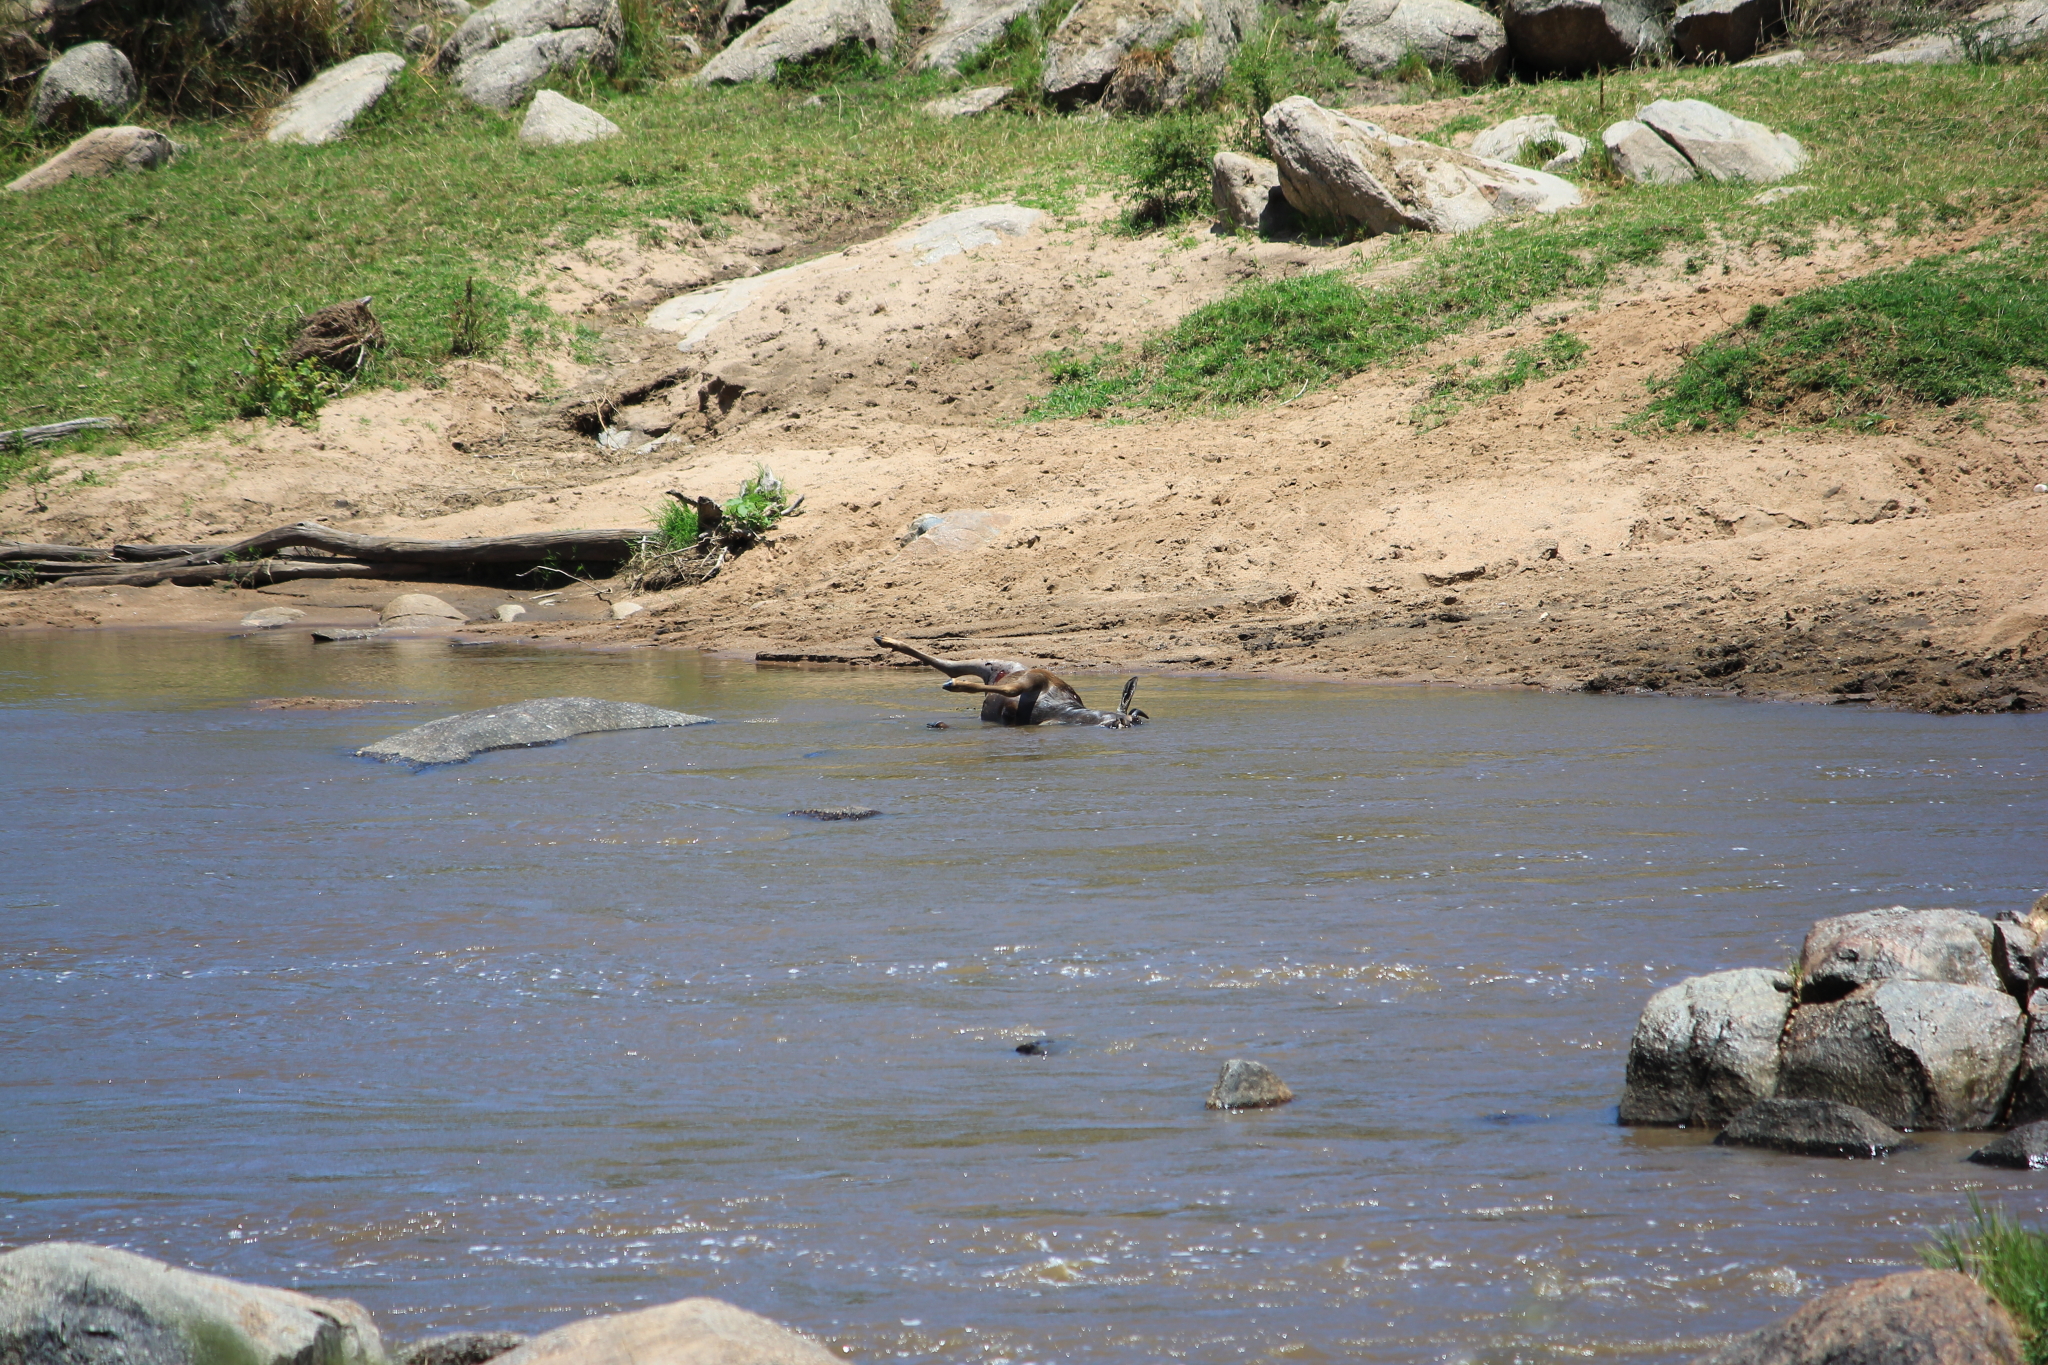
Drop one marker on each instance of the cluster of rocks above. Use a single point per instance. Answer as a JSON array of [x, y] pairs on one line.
[[1892, 1020], [90, 1305], [1923, 1317]]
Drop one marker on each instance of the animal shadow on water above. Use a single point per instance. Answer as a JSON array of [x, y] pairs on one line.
[[1016, 694]]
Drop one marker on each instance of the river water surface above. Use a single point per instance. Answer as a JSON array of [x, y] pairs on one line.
[[568, 1030]]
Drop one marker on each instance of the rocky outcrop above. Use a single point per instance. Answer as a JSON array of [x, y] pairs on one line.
[[1923, 1317], [801, 30], [2010, 29], [554, 120], [1721, 146], [1506, 141], [1570, 36], [689, 1332], [453, 739], [1344, 170], [2024, 1148], [1810, 1128], [2029, 1101], [1168, 52], [967, 103], [495, 25], [1723, 30], [101, 152], [88, 1305], [1374, 35], [1642, 157], [1246, 193], [1916, 1054], [322, 110], [965, 27], [1896, 944], [1243, 1084], [501, 52], [92, 83], [460, 1348], [1707, 1048]]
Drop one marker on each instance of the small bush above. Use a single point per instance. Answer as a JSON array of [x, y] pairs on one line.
[[676, 525], [1166, 177], [290, 391], [2009, 1260], [761, 503]]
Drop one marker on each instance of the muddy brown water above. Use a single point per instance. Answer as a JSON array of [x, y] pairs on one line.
[[567, 1030]]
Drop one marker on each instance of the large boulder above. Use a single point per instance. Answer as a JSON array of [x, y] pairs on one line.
[[689, 1332], [504, 77], [101, 152], [554, 120], [2029, 1101], [453, 739], [420, 611], [965, 27], [1506, 141], [1094, 43], [1246, 193], [1374, 35], [1897, 944], [1722, 146], [2009, 29], [322, 109], [1723, 30], [801, 30], [495, 25], [92, 83], [1916, 1054], [1706, 1048], [1640, 156], [1342, 169], [1810, 1128], [1923, 1317], [69, 1304], [2016, 956], [1570, 36]]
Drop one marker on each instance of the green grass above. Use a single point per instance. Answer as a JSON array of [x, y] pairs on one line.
[[1936, 331], [676, 525], [2009, 1260], [1555, 354]]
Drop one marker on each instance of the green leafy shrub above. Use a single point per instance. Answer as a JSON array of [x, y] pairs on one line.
[[293, 391], [1166, 175], [676, 525], [761, 503]]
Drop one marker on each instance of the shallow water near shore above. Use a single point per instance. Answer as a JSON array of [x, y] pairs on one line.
[[568, 1030]]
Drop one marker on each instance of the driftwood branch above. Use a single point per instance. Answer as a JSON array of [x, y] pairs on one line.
[[11, 553], [611, 547], [245, 571], [57, 431]]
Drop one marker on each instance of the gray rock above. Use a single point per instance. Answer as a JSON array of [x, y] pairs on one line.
[[1765, 198], [419, 611], [2029, 1100], [2025, 1148], [520, 725], [800, 30], [1343, 169], [968, 103], [1848, 951], [554, 120], [333, 633], [504, 77], [1810, 1128], [63, 1303], [1094, 42], [322, 109], [691, 1332], [1706, 1048], [1505, 141], [1722, 30], [270, 618], [1926, 49], [460, 1348], [837, 812], [2015, 955], [1790, 57], [1923, 1317], [101, 152], [1374, 35], [509, 611], [1570, 36], [964, 230], [1639, 155], [1247, 196], [1916, 1054], [92, 83], [496, 25], [2011, 29], [1247, 1085], [1722, 146], [966, 27]]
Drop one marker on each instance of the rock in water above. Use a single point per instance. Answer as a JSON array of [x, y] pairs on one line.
[[92, 83], [1722, 30], [70, 1304], [460, 1348], [1570, 36], [1506, 141], [837, 812], [1246, 193], [1706, 1048], [1643, 157], [1722, 146], [1898, 944], [1247, 1085], [691, 1332], [1374, 35], [2025, 1148], [1916, 1054], [800, 30], [101, 152], [968, 26], [323, 109], [554, 120], [1344, 169], [1810, 1128], [520, 725], [419, 611], [1923, 1317]]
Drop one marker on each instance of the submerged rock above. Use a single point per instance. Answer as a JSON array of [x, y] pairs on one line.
[[460, 1348], [690, 1332], [1247, 1085], [837, 812], [520, 725], [1706, 1048], [1923, 1317], [2025, 1148], [1810, 1128], [65, 1303]]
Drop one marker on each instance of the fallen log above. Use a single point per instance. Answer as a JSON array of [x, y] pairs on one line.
[[605, 547], [135, 553], [247, 571], [57, 431], [12, 552]]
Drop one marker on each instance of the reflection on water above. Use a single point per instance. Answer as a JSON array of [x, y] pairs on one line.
[[570, 1029]]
